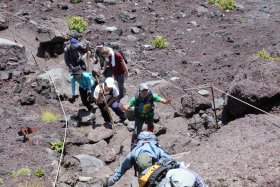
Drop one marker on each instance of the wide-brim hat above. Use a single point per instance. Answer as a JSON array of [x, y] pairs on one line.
[[110, 82], [143, 86]]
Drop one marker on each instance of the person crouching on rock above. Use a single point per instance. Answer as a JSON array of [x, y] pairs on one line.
[[143, 103], [111, 93], [86, 87]]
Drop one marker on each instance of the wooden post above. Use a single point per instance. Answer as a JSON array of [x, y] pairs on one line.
[[213, 99]]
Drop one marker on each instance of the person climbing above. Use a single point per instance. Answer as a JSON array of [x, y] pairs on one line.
[[117, 65], [144, 154], [143, 103], [99, 59], [72, 54], [111, 94], [86, 87]]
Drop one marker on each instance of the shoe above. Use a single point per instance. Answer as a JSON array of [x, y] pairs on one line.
[[125, 122]]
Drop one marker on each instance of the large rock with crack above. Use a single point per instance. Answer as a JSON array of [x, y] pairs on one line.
[[99, 133], [257, 84]]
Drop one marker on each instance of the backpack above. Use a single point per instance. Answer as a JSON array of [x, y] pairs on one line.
[[143, 138], [139, 100], [122, 53], [154, 174]]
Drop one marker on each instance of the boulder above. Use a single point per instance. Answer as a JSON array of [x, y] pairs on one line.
[[61, 78], [12, 55], [192, 103], [4, 23], [86, 117], [99, 133], [257, 84]]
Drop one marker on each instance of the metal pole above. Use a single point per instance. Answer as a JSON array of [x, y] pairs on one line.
[[213, 99]]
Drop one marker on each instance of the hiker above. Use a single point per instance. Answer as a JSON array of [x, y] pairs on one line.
[[111, 94], [115, 61], [144, 154], [86, 87], [143, 103], [72, 54], [98, 58]]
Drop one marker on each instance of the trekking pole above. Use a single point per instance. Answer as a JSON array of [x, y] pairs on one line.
[[217, 126], [100, 87]]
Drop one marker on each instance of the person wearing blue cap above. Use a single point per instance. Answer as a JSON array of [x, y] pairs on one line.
[[72, 54]]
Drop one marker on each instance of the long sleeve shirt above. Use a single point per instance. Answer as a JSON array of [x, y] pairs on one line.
[[72, 57], [130, 159], [85, 82]]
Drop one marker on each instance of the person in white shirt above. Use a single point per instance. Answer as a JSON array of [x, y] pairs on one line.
[[111, 94]]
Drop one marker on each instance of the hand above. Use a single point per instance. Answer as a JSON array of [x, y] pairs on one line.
[[106, 108], [123, 107], [72, 100], [101, 72], [168, 100], [126, 74]]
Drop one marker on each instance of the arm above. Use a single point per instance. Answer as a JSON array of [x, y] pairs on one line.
[[124, 166], [89, 82], [157, 98], [67, 60], [111, 100], [129, 105]]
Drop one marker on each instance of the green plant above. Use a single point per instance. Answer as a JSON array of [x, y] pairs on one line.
[[19, 172], [224, 4], [266, 56], [159, 42], [40, 172], [76, 23], [1, 181], [57, 146], [75, 1], [48, 116]]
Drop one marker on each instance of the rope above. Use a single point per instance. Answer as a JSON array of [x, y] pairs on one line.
[[246, 103]]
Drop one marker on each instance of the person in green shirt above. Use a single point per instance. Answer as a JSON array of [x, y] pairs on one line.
[[143, 103]]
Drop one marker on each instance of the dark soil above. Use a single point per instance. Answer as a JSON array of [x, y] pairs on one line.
[[207, 46]]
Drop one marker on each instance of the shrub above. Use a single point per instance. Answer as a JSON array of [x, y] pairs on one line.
[[75, 1], [1, 181], [19, 172], [224, 4], [76, 23], [57, 146], [48, 116], [159, 42], [266, 56], [40, 172]]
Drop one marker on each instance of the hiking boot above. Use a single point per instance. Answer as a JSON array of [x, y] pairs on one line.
[[124, 121]]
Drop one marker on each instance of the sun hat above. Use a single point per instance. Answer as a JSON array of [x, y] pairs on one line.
[[74, 42], [180, 177], [77, 71], [110, 82], [143, 86]]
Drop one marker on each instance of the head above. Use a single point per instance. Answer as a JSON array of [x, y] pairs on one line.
[[143, 161], [109, 83], [77, 72], [180, 177], [74, 43], [105, 52], [144, 90]]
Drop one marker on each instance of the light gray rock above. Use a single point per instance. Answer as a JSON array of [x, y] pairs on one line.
[[135, 30], [86, 117], [100, 19], [204, 93], [130, 126], [99, 133], [131, 39], [89, 164], [61, 78], [219, 102]]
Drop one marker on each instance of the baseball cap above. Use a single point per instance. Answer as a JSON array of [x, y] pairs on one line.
[[110, 82], [143, 86], [74, 42]]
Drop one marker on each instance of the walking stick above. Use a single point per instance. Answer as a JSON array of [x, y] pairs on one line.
[[100, 87]]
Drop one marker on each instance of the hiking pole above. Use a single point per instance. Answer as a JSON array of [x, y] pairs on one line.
[[108, 110], [217, 126]]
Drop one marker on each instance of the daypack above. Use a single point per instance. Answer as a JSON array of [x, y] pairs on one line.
[[154, 174], [139, 100], [143, 138]]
